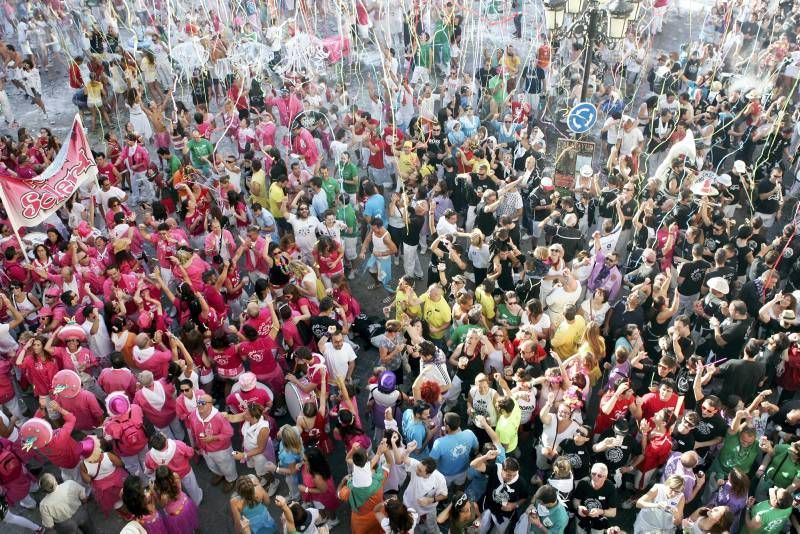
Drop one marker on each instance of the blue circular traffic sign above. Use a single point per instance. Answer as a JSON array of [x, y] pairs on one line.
[[582, 117]]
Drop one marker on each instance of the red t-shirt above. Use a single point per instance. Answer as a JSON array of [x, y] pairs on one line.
[[652, 404], [606, 421], [259, 352]]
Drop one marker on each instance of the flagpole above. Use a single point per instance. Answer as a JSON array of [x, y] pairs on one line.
[[13, 226]]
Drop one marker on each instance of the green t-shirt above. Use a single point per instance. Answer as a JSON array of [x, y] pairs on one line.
[[424, 55], [347, 215], [734, 455], [555, 521], [512, 320], [350, 172], [174, 165], [198, 150], [782, 470], [497, 82], [459, 333], [331, 188], [772, 519]]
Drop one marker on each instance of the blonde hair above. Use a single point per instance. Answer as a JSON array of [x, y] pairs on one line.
[[476, 238], [674, 482], [541, 253], [291, 439], [562, 468], [298, 267]]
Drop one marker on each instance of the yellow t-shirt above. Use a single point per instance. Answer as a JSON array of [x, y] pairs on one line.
[[406, 163], [567, 337], [401, 305], [487, 303], [276, 196], [260, 178], [507, 428], [436, 314]]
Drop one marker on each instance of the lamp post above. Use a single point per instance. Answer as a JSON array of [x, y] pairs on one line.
[[597, 21]]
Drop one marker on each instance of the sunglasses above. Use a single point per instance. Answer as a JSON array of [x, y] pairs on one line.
[[187, 390], [73, 341], [599, 475], [202, 402]]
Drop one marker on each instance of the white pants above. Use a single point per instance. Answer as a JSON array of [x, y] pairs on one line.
[[658, 18], [767, 218], [489, 524], [192, 489], [221, 463], [5, 107], [19, 521], [411, 263], [470, 222], [135, 464]]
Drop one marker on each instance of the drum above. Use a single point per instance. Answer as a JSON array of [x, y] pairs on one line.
[[295, 398]]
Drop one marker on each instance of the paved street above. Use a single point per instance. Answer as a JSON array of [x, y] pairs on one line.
[[214, 512]]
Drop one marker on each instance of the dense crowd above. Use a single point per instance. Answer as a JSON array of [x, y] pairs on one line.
[[612, 348]]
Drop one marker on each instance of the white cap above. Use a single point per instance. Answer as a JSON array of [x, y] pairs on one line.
[[718, 284], [739, 166]]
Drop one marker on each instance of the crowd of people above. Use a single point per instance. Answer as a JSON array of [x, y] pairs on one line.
[[361, 301]]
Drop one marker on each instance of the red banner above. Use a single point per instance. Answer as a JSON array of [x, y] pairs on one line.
[[29, 202]]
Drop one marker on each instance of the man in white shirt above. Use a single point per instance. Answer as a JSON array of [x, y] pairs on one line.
[[304, 227], [631, 137], [108, 191], [339, 356], [62, 506], [426, 487]]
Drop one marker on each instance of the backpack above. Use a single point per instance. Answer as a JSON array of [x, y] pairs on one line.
[[130, 435], [10, 466]]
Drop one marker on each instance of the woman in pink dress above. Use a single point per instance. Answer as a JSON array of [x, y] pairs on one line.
[[105, 472], [317, 484], [180, 512]]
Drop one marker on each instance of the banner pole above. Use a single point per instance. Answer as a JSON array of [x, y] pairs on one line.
[[14, 226]]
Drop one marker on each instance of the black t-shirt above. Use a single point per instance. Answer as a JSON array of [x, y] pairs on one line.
[[684, 384], [691, 68], [628, 210], [616, 457], [479, 185], [682, 442], [539, 197], [484, 220], [684, 212], [728, 273], [436, 146], [709, 428], [604, 498], [320, 324], [692, 273], [735, 335], [413, 229], [779, 418], [604, 207], [570, 238], [713, 241], [770, 204], [741, 377], [579, 456], [499, 492]]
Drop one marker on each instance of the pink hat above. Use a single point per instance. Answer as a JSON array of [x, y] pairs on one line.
[[87, 447], [53, 291], [247, 381], [117, 403], [72, 331], [35, 433], [66, 383]]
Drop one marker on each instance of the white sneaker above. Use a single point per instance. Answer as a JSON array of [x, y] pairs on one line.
[[352, 275], [331, 523]]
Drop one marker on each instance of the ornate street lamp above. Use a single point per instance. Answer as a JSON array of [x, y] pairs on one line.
[[597, 21]]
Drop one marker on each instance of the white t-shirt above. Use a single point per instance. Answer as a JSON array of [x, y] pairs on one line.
[[431, 486], [7, 343], [612, 131], [443, 227], [304, 231], [102, 196], [337, 360], [630, 140]]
